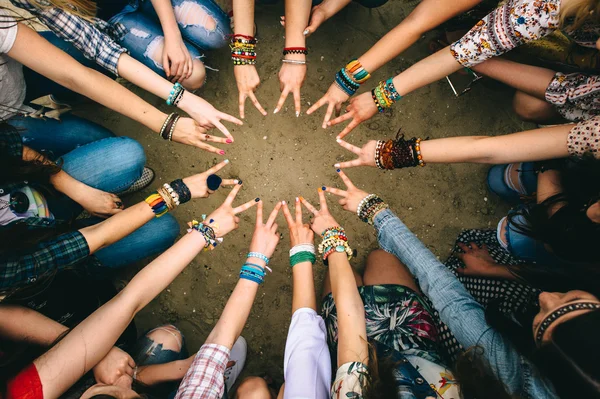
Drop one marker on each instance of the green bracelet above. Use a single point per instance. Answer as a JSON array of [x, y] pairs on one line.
[[303, 256]]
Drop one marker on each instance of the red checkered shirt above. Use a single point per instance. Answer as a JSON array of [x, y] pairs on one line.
[[206, 377]]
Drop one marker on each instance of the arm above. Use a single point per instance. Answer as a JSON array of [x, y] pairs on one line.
[[91, 340], [21, 324], [159, 373]]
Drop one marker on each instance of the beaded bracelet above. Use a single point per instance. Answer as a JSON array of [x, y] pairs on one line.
[[253, 272], [385, 95], [176, 91], [207, 232], [400, 153], [345, 86], [166, 131], [172, 193], [243, 49], [157, 204], [378, 148], [368, 208], [261, 257], [295, 50], [334, 240]]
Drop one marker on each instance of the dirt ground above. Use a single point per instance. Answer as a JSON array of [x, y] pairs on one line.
[[280, 157]]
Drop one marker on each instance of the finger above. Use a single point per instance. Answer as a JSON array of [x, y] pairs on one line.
[[215, 139], [474, 245], [464, 247], [234, 191], [257, 104], [229, 182], [166, 64], [245, 206], [281, 101], [322, 101], [348, 128], [328, 115], [274, 228], [184, 68], [297, 103], [210, 148], [130, 361], [287, 214], [349, 164], [338, 109], [236, 220], [241, 103], [229, 118], [273, 215], [346, 179], [343, 201], [322, 199], [190, 67], [337, 192], [216, 168], [223, 129], [259, 213], [298, 211], [341, 119], [309, 206], [348, 146], [178, 72]]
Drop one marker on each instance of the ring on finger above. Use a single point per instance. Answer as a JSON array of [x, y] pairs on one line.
[[213, 182]]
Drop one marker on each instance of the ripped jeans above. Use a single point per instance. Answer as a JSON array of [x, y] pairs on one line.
[[202, 23]]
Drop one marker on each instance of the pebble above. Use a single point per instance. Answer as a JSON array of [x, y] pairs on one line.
[[373, 126], [264, 137], [485, 199], [321, 77]]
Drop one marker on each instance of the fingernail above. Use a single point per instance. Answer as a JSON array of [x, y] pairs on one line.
[[328, 123], [281, 22], [282, 202], [256, 199], [305, 32], [229, 141], [275, 110], [301, 198], [240, 181], [297, 199], [297, 114], [323, 188], [222, 152], [338, 140], [338, 170], [236, 181], [226, 161]]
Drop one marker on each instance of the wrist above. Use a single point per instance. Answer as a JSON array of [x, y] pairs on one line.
[[257, 261]]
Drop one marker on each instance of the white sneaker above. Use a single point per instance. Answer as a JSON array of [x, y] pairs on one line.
[[237, 360]]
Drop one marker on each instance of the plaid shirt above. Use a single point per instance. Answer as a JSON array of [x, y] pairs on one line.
[[94, 39], [205, 379]]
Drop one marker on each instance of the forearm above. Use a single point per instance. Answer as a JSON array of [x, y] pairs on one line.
[[352, 336], [426, 71], [244, 17], [297, 13], [425, 17], [159, 373], [531, 145], [303, 294], [21, 324], [234, 316], [530, 79], [166, 15]]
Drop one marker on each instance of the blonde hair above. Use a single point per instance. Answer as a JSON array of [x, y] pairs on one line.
[[581, 11], [82, 8]]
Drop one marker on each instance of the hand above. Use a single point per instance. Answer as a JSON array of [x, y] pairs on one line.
[[291, 78], [188, 131], [334, 97], [351, 197], [206, 115], [97, 202], [247, 82], [479, 262], [116, 365], [366, 155], [223, 219], [323, 219], [177, 61], [197, 183], [265, 237], [359, 110], [318, 15], [300, 233]]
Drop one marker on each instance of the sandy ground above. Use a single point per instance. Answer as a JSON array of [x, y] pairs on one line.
[[280, 157]]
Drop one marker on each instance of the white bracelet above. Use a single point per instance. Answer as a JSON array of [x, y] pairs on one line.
[[296, 62], [302, 248]]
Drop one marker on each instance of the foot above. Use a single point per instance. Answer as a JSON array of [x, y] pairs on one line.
[[237, 360]]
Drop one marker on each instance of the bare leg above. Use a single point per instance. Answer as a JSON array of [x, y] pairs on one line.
[[254, 388], [532, 109], [384, 268]]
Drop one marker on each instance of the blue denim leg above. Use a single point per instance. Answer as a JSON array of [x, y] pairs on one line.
[[58, 137], [498, 185], [524, 247], [153, 238], [201, 22], [144, 39], [146, 352], [364, 3], [39, 85]]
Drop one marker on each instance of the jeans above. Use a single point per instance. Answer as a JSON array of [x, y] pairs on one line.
[[364, 3], [202, 23]]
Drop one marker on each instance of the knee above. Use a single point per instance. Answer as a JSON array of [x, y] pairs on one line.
[[128, 150], [253, 388], [198, 77], [378, 259], [168, 336], [530, 109], [167, 230]]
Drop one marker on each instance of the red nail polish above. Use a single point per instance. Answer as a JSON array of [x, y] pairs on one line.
[[222, 152], [229, 141]]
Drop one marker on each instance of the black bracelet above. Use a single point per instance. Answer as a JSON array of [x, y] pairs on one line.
[[182, 190]]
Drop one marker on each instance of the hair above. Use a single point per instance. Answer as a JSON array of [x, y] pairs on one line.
[[381, 382], [85, 9], [577, 12], [570, 234]]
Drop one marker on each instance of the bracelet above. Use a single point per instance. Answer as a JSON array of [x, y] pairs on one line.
[[172, 128], [399, 153], [207, 232], [303, 256], [295, 62], [253, 272], [176, 92], [182, 190], [259, 256], [295, 50], [166, 131], [243, 49], [347, 86], [172, 193], [334, 240], [359, 73], [251, 276], [302, 248], [157, 204], [378, 148], [368, 208], [166, 198]]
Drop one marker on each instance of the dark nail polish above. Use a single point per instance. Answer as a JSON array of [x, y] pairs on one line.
[[240, 182], [323, 188], [338, 170], [211, 220], [256, 199]]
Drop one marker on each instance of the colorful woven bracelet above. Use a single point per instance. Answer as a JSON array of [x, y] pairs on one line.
[[157, 204], [302, 257], [339, 81], [252, 277], [359, 73], [207, 232], [258, 255]]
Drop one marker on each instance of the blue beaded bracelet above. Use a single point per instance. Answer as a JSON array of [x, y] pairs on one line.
[[252, 277], [259, 256], [175, 92]]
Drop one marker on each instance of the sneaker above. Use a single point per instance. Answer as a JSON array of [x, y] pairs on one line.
[[237, 360], [144, 181]]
